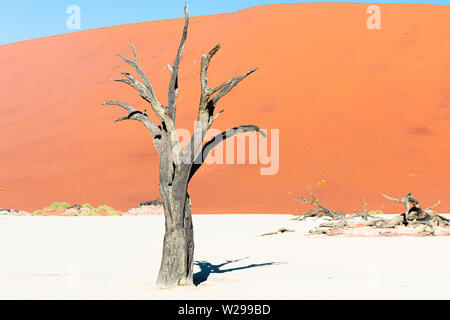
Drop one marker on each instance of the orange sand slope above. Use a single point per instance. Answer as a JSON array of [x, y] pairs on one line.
[[364, 111]]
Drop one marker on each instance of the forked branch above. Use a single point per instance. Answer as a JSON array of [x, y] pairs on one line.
[[226, 87], [145, 89], [319, 210], [208, 101]]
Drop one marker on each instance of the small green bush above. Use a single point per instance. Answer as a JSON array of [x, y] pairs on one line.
[[105, 208], [58, 205], [91, 213], [115, 213], [37, 213], [110, 211], [87, 205]]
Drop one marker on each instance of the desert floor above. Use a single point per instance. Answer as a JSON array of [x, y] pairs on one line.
[[118, 258]]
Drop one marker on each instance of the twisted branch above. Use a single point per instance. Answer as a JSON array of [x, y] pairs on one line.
[[145, 90], [208, 101], [134, 114]]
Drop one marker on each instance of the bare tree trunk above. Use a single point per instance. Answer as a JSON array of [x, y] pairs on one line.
[[178, 246]]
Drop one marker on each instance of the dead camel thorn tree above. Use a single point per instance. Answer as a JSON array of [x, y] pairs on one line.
[[177, 166], [413, 215]]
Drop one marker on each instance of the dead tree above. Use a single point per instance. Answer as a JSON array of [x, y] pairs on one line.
[[177, 166], [413, 215], [416, 215]]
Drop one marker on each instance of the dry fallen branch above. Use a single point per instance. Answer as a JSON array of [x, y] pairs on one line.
[[413, 216], [365, 216], [320, 210], [282, 230]]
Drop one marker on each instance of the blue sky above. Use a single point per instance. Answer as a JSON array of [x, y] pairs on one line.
[[28, 19]]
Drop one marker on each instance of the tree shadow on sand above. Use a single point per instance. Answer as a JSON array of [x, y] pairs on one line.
[[207, 268]]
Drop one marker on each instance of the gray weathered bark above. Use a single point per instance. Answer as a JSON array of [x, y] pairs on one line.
[[177, 166]]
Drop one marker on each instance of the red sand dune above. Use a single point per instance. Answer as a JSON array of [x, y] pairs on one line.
[[367, 111]]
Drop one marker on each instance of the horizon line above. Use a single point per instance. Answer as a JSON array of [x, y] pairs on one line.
[[311, 2]]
